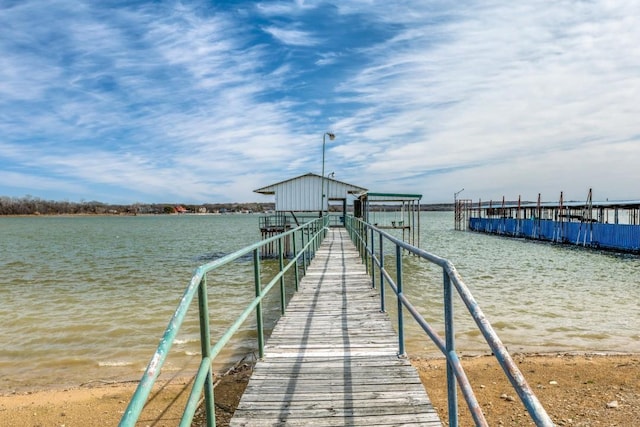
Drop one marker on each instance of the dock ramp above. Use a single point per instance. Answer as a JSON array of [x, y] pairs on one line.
[[332, 358]]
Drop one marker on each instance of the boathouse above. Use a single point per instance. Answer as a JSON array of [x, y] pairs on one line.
[[299, 199], [609, 225], [310, 193]]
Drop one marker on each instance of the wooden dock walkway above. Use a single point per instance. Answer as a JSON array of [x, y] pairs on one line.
[[332, 358]]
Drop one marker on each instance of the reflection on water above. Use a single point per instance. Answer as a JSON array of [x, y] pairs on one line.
[[87, 298]]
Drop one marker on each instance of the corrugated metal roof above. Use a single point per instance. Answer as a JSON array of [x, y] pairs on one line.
[[271, 189], [391, 197], [304, 193]]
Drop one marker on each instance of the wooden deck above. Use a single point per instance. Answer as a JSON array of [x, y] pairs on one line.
[[332, 358]]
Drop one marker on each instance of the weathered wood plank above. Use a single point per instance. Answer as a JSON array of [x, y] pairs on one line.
[[331, 359], [398, 420], [339, 409]]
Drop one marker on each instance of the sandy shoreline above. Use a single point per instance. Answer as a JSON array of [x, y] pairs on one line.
[[575, 389], [95, 405]]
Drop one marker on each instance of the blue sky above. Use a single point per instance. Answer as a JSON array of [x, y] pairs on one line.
[[205, 101]]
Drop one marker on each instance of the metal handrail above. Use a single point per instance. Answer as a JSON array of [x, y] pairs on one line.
[[311, 234], [364, 236]]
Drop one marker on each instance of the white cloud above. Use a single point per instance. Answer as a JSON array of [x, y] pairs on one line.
[[199, 102], [173, 95], [29, 182], [291, 37], [284, 8], [509, 84]]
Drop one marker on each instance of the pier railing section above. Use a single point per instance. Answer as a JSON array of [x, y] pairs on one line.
[[372, 244], [281, 222], [308, 236]]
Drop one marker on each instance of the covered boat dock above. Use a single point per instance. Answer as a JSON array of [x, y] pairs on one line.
[[611, 225]]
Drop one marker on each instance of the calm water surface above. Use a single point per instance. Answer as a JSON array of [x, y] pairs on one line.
[[87, 298]]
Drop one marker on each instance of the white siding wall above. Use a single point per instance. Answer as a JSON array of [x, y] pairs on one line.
[[299, 195], [304, 194]]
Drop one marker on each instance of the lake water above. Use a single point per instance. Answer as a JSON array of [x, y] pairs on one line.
[[87, 298]]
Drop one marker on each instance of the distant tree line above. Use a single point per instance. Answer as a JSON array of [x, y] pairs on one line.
[[29, 205]]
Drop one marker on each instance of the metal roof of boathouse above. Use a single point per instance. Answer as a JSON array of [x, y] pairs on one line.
[[303, 193], [392, 197]]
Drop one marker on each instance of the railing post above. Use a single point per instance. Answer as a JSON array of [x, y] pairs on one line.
[[365, 246], [450, 348], [401, 352], [205, 345], [258, 285], [382, 307], [283, 295], [295, 257], [373, 262], [358, 238], [304, 251], [363, 242]]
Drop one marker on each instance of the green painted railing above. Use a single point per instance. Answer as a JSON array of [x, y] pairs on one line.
[[372, 243], [310, 235]]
